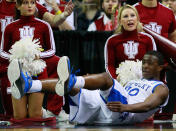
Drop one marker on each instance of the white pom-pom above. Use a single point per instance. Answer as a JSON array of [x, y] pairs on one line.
[[129, 70], [35, 67], [26, 50]]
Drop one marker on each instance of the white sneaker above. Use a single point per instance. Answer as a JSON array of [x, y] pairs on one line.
[[62, 117], [13, 73], [174, 117], [63, 71], [20, 83], [44, 113]]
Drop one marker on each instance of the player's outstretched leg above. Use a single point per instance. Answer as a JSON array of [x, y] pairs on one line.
[[20, 84], [66, 79]]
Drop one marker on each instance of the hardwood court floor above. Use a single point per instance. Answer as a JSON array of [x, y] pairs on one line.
[[156, 126], [95, 129]]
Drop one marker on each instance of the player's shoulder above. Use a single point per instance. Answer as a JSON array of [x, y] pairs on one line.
[[154, 82]]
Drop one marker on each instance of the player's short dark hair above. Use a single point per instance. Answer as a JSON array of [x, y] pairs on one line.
[[158, 55]]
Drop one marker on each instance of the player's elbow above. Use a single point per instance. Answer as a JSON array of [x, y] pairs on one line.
[[148, 108]]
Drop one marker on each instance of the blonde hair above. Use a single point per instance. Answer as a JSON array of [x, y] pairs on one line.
[[120, 28]]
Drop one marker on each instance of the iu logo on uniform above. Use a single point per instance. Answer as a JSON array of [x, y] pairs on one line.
[[26, 31], [154, 27], [5, 22], [131, 49]]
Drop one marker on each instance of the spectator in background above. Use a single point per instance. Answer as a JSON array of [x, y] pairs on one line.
[[128, 43], [6, 17], [102, 23], [157, 17], [56, 7], [161, 20], [90, 11]]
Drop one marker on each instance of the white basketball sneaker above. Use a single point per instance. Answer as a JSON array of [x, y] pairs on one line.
[[20, 84], [66, 79]]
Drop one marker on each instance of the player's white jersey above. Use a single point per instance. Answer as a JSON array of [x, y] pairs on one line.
[[139, 90], [90, 106]]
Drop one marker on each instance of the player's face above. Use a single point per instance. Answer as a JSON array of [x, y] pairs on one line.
[[27, 8], [108, 4], [150, 67], [129, 19]]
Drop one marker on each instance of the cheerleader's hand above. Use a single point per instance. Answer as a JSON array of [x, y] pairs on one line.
[[118, 78], [37, 57]]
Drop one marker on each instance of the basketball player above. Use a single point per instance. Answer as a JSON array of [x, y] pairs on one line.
[[98, 98], [161, 20]]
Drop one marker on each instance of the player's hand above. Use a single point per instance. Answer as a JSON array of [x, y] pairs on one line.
[[68, 8], [116, 106]]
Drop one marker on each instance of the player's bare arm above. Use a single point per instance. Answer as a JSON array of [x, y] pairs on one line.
[[156, 99]]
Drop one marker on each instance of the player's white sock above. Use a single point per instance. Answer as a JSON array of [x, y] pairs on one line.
[[80, 82], [36, 86]]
